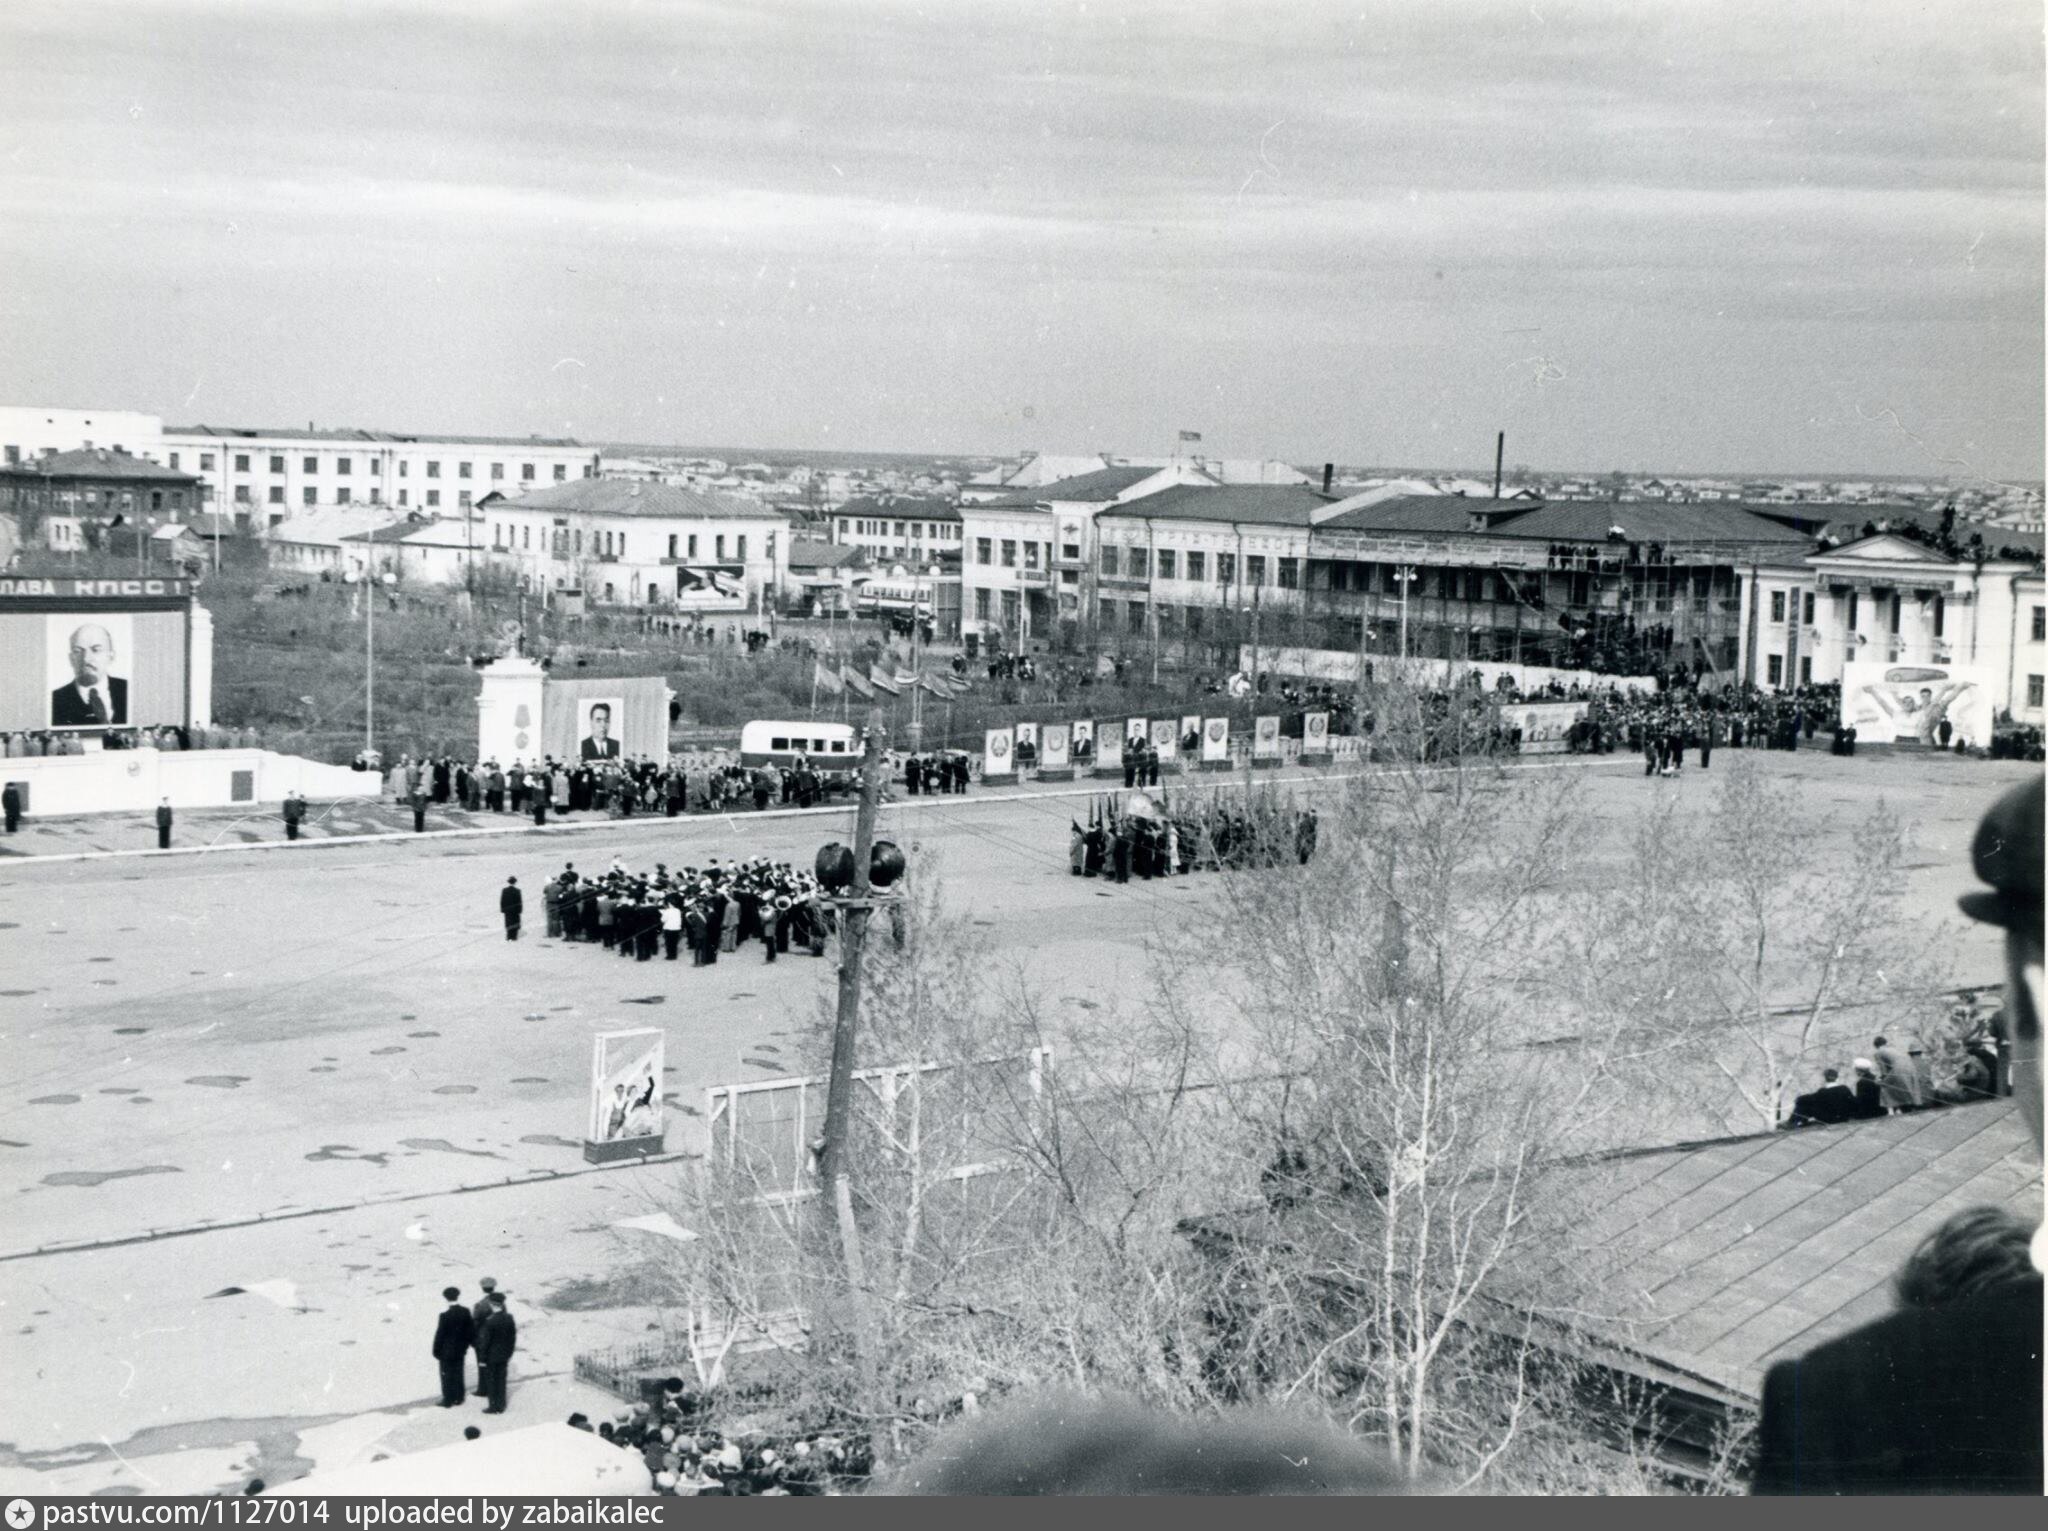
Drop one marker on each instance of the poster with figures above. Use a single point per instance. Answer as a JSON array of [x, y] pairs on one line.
[[1266, 738], [1931, 705], [625, 1087], [1216, 741]]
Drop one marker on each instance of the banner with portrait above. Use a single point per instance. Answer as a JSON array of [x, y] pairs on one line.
[[1266, 737], [1109, 748], [1315, 733], [1052, 747], [1137, 730], [1216, 741], [1165, 739], [1027, 734], [620, 718], [1910, 703], [1084, 740], [1191, 734], [997, 753], [625, 1086], [86, 663]]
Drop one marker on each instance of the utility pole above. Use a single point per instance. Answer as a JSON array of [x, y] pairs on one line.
[[833, 1155]]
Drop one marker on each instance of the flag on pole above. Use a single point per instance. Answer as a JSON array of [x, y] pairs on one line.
[[882, 682], [1190, 435], [827, 680], [857, 682], [906, 679], [932, 684]]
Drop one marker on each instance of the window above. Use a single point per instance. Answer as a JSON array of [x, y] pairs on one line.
[[899, 528], [1108, 559], [2033, 691], [403, 496], [1805, 670], [671, 544], [1109, 614], [462, 469], [1807, 605], [620, 547], [404, 467], [241, 494], [561, 473], [1940, 615], [433, 497], [1137, 616], [1009, 553], [1777, 605], [376, 495], [981, 604], [1194, 618], [1775, 669], [277, 463], [433, 467], [2040, 628], [1226, 568], [1197, 571], [1290, 574], [497, 471], [341, 495], [526, 473], [205, 462], [241, 462], [718, 547], [984, 550], [342, 465], [12, 456], [277, 494], [1137, 563], [463, 499], [306, 495], [1030, 555], [1166, 562], [691, 542], [526, 538], [1071, 551]]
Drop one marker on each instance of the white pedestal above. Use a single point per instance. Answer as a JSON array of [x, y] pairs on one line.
[[508, 711]]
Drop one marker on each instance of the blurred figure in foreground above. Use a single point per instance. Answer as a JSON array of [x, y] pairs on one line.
[[1069, 1444]]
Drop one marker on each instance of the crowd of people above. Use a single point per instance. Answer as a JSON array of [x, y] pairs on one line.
[[685, 1456], [713, 910], [1149, 837], [27, 744], [1663, 725], [1894, 1081], [935, 773], [617, 788]]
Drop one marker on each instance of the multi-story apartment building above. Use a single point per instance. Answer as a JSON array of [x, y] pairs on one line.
[[261, 476], [906, 529], [639, 544]]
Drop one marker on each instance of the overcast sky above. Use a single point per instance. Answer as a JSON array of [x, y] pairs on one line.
[[1793, 235]]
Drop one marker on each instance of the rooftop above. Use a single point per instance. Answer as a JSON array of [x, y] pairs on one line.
[[808, 553], [1086, 488], [99, 463], [373, 438], [627, 497], [1568, 520], [1260, 504], [915, 507]]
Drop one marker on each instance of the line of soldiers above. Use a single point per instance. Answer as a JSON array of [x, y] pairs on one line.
[[938, 773], [1194, 832], [714, 909]]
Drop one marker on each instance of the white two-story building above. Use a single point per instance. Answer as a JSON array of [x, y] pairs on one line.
[[629, 543]]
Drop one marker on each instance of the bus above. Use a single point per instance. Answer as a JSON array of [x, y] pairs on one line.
[[831, 748], [908, 598]]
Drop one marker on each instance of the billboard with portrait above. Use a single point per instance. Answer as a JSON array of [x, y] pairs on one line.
[[77, 661], [597, 727], [625, 1086], [1084, 739], [1136, 730], [1909, 703], [620, 718], [1191, 733]]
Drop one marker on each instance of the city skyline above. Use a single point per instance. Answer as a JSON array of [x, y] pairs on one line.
[[1674, 239]]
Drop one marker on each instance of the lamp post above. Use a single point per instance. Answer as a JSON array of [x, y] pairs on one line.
[[1407, 576], [370, 580]]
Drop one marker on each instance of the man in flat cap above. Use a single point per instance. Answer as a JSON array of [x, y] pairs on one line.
[[1945, 1399], [495, 1342], [477, 1315]]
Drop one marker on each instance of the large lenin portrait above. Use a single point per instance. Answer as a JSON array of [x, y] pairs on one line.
[[86, 662]]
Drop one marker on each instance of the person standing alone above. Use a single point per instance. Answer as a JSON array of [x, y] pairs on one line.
[[511, 904], [163, 825], [454, 1337]]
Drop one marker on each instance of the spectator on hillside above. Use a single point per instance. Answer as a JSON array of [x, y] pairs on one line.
[[1833, 1102]]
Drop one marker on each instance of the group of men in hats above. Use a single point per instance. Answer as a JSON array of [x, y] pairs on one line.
[[714, 909], [489, 1329]]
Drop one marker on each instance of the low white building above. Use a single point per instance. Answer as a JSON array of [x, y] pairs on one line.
[[28, 431], [639, 544], [312, 541], [268, 474]]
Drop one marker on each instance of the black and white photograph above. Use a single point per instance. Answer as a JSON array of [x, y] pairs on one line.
[[851, 748]]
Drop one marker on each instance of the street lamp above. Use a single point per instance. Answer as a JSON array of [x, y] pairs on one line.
[[1407, 576]]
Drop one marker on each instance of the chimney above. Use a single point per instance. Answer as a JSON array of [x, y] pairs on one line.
[[1329, 473]]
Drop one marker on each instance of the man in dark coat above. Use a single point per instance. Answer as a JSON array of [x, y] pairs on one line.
[[10, 801], [1942, 1399], [511, 904], [163, 825], [477, 1314], [454, 1337], [495, 1343]]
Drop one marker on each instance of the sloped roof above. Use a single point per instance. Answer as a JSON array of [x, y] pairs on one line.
[[808, 553], [98, 462], [352, 434], [1102, 484], [1406, 513], [327, 525], [1262, 504], [631, 497], [1726, 1257], [1643, 521]]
